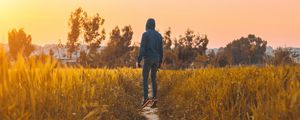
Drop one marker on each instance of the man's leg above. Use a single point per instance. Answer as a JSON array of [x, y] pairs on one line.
[[146, 70], [153, 79]]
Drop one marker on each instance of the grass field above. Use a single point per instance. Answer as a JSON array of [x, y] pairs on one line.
[[266, 93], [34, 90]]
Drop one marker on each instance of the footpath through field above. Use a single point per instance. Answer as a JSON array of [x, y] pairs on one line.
[[148, 112]]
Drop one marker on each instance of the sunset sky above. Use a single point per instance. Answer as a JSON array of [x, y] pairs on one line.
[[277, 21]]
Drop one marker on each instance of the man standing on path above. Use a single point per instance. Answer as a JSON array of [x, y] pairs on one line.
[[151, 50]]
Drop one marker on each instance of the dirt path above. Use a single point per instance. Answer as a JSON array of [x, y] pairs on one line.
[[150, 113]]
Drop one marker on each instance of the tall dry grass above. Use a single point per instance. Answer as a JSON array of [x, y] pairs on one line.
[[31, 89], [266, 93], [40, 89]]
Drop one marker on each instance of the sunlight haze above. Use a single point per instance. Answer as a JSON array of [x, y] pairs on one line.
[[221, 20]]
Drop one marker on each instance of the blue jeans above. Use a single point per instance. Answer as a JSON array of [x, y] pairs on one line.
[[150, 64]]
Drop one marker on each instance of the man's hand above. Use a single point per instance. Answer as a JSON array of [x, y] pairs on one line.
[[138, 65]]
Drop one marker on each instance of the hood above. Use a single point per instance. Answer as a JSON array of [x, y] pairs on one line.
[[150, 25]]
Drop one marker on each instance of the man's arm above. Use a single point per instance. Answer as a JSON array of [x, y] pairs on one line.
[[142, 49]]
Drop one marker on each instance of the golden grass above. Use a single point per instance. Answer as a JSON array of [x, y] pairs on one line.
[[34, 90], [267, 93], [31, 89]]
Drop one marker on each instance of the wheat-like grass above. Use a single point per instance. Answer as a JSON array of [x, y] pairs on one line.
[[41, 89]]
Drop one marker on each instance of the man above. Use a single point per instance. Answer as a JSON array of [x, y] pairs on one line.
[[151, 50]]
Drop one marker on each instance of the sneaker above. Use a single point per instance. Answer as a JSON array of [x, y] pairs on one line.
[[154, 103], [146, 102]]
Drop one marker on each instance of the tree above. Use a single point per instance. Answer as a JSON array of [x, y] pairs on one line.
[[170, 58], [200, 61], [249, 50], [211, 58], [284, 56], [93, 33], [167, 41], [257, 49], [75, 25], [117, 51], [133, 54], [19, 43], [189, 47], [83, 58], [222, 58]]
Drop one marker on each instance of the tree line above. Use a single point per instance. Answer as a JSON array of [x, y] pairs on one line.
[[185, 51]]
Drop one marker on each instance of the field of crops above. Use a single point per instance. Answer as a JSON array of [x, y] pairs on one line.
[[34, 90]]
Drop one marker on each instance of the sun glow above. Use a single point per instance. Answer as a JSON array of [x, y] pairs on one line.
[[222, 21], [8, 9], [4, 4]]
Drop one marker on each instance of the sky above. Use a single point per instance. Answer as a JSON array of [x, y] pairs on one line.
[[277, 21]]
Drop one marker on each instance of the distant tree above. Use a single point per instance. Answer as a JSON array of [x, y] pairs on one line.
[[170, 58], [269, 59], [19, 42], [200, 61], [189, 47], [222, 58], [249, 50], [83, 58], [211, 58], [194, 41], [257, 49], [94, 32], [133, 55], [116, 53], [75, 21], [167, 41], [284, 56]]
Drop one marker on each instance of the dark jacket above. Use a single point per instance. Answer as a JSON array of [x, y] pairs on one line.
[[151, 43]]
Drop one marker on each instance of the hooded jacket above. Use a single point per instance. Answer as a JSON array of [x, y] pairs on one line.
[[151, 43]]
